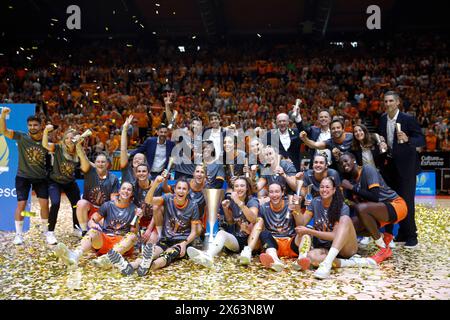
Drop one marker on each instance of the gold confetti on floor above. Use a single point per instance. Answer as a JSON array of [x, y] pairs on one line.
[[32, 271]]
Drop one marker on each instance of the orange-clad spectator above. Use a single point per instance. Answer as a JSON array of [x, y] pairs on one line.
[[348, 126], [156, 119], [141, 121], [431, 140], [445, 144], [116, 118], [103, 134]]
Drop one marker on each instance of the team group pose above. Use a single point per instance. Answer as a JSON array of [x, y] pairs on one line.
[[274, 208]]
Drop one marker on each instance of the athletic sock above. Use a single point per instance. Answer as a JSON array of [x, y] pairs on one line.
[[273, 253], [216, 246], [159, 230], [19, 227], [83, 226], [332, 254], [347, 263], [380, 242], [44, 225]]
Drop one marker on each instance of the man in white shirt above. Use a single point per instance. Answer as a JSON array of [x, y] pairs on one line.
[[215, 133], [286, 140], [157, 151], [318, 134]]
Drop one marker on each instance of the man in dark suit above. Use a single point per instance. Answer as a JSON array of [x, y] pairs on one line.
[[402, 163], [321, 133], [157, 151], [286, 140]]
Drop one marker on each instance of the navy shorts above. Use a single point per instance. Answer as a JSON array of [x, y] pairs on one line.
[[23, 186]]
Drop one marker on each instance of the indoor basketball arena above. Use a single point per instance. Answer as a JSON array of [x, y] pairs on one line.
[[224, 150]]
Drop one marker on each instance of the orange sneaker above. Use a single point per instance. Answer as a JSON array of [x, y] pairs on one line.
[[387, 238], [268, 262], [381, 255], [302, 263]]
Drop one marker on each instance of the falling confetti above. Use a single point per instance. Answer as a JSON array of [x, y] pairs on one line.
[[32, 271]]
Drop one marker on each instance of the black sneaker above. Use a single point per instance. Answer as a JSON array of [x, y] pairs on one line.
[[120, 263], [400, 239], [411, 243], [147, 260]]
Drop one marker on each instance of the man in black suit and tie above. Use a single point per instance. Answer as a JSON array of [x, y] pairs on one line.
[[403, 135], [286, 140]]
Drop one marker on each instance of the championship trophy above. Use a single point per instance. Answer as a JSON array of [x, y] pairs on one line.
[[172, 121], [213, 198], [399, 128], [378, 139], [231, 167], [299, 189], [85, 134], [169, 166], [247, 174], [296, 108]]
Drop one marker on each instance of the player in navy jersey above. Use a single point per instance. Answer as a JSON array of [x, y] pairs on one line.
[[179, 228], [275, 169], [275, 228], [240, 212], [116, 236], [128, 169], [141, 188], [196, 186], [62, 178], [377, 205], [100, 185], [333, 233], [319, 171]]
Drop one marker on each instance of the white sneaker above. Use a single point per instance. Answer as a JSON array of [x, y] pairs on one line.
[[193, 253], [68, 257], [365, 241], [392, 244], [278, 266], [206, 260], [323, 271], [51, 239], [102, 262], [363, 262], [18, 239], [77, 233], [246, 256], [203, 259], [200, 257]]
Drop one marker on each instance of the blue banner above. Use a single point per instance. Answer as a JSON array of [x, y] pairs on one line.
[[426, 183], [9, 161]]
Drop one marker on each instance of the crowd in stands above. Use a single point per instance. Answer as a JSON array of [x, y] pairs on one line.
[[98, 85]]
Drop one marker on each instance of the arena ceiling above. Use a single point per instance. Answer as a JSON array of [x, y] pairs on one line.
[[212, 19]]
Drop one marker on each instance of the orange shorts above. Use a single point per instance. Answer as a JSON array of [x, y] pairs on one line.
[[92, 210], [284, 247], [109, 242], [401, 209]]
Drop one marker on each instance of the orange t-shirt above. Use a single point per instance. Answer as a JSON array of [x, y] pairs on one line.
[[431, 141], [142, 119]]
